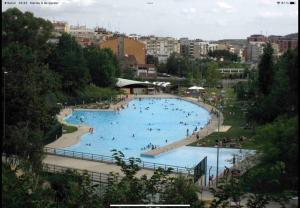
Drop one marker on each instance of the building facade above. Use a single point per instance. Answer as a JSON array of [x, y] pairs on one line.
[[161, 47], [61, 27], [254, 51], [257, 38], [124, 47]]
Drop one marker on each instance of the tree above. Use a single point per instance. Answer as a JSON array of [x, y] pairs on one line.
[[102, 66], [24, 28], [28, 116], [280, 145], [282, 98], [225, 54], [181, 190], [68, 61], [150, 59], [211, 74], [172, 65], [266, 71]]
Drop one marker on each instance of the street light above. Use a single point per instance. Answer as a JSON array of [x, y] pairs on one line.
[[218, 148], [4, 74]]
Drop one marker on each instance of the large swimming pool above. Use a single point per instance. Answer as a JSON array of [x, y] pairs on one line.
[[145, 123]]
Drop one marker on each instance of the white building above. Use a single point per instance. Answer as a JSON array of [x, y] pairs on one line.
[[254, 51], [161, 47], [200, 49]]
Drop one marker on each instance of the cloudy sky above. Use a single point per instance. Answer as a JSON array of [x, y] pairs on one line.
[[205, 19]]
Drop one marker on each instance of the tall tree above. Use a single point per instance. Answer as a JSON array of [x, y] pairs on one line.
[[68, 61], [211, 74], [102, 66], [266, 71], [29, 85]]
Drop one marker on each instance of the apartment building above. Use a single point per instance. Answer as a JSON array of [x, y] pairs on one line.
[[125, 48], [257, 38], [161, 47], [284, 43], [254, 51], [83, 35], [60, 26]]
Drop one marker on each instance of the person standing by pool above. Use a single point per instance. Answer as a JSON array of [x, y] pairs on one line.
[[210, 183], [187, 132]]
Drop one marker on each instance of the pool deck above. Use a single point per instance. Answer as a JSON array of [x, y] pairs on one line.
[[70, 139], [93, 166]]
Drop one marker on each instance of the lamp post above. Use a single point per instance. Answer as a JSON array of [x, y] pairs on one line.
[[4, 98], [218, 148]]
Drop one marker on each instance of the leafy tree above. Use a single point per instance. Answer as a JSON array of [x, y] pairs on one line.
[[150, 59], [181, 190], [28, 84], [282, 98], [280, 146], [102, 66], [24, 28], [266, 71], [172, 65], [162, 68], [225, 54], [211, 74], [129, 73], [229, 189], [68, 61]]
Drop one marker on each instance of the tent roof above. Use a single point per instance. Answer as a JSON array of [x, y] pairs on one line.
[[196, 88], [127, 82]]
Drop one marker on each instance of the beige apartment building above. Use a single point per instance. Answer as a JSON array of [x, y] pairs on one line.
[[161, 47]]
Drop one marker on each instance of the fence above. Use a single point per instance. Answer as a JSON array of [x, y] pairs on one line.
[[101, 179], [111, 160], [94, 176]]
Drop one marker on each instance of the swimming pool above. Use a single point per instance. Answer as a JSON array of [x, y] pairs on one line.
[[145, 123], [136, 128]]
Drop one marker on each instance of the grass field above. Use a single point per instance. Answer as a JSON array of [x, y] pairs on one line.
[[234, 112], [68, 129]]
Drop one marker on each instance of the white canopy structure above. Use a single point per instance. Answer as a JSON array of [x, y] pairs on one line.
[[196, 88], [127, 82], [162, 84]]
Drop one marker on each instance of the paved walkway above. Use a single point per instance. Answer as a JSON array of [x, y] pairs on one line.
[[69, 139], [91, 165]]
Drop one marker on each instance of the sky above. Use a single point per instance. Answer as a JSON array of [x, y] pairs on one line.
[[204, 19]]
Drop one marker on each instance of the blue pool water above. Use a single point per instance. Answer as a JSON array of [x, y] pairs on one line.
[[152, 122]]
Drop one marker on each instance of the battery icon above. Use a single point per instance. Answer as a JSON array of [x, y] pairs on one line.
[[292, 2]]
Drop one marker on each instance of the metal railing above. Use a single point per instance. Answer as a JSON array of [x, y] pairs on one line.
[[94, 176], [112, 160]]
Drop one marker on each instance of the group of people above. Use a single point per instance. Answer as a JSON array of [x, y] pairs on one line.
[[150, 129], [150, 146], [91, 130]]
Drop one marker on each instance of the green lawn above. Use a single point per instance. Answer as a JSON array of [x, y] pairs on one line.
[[234, 115], [68, 129]]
